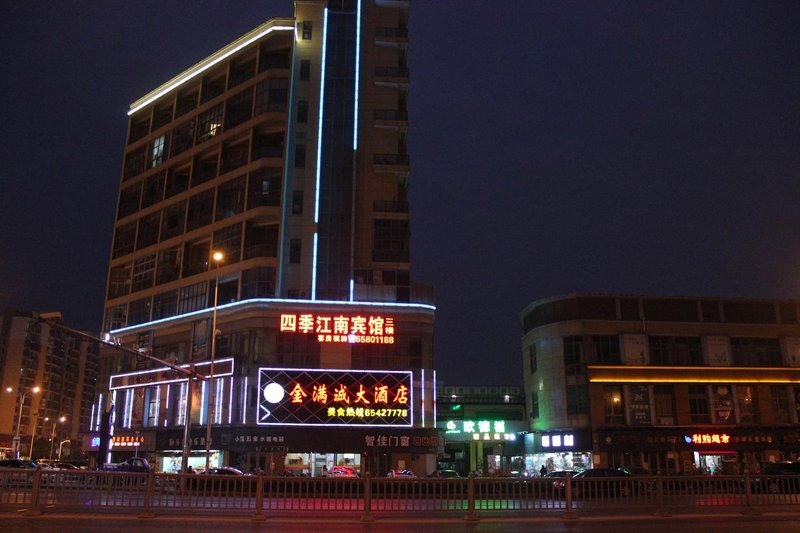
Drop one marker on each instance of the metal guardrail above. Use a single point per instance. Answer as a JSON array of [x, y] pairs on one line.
[[78, 490]]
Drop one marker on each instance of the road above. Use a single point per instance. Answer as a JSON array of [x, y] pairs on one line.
[[709, 523]]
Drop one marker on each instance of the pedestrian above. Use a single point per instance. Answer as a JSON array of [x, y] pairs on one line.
[[543, 471], [324, 470]]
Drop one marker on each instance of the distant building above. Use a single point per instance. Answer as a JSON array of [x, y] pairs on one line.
[[285, 151], [484, 429], [46, 373], [678, 385]]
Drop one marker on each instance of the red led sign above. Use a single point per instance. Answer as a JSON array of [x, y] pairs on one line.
[[341, 329]]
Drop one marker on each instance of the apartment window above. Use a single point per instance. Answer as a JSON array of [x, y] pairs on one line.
[[200, 210], [153, 191], [209, 123], [264, 188], [148, 230], [295, 249], [230, 198], [158, 149], [532, 357], [261, 240], [675, 351], [169, 265], [614, 409], [278, 94], [299, 156], [302, 111], [297, 203], [182, 138], [196, 258], [228, 240], [192, 298], [577, 400], [117, 317], [258, 283], [239, 108], [177, 181], [144, 269], [604, 349], [390, 240], [756, 352], [172, 220], [698, 404], [134, 162], [129, 200], [308, 28], [305, 69], [534, 405], [748, 404], [139, 312], [119, 283], [664, 401], [165, 305], [780, 404], [573, 351]]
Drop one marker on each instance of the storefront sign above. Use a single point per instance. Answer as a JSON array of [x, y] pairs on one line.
[[707, 438], [723, 404], [127, 441], [558, 440], [318, 397], [479, 429], [400, 441], [359, 329], [640, 405]]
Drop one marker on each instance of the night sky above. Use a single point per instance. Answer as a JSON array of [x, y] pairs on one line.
[[588, 146]]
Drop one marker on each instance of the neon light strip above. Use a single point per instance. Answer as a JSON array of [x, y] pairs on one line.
[[203, 402], [166, 403], [314, 270], [321, 113], [352, 289], [347, 370], [358, 54], [166, 369], [422, 392], [201, 67], [434, 399], [244, 401], [158, 405], [230, 401], [100, 412], [219, 392], [183, 395], [232, 305], [91, 418]]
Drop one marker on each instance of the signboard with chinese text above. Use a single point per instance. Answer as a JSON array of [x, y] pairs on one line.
[[493, 430], [338, 328], [640, 405], [320, 397]]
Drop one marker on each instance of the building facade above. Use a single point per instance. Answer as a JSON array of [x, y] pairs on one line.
[[48, 378], [285, 152], [484, 429], [679, 385]]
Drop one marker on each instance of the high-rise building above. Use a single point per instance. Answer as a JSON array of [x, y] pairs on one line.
[[48, 378], [284, 152]]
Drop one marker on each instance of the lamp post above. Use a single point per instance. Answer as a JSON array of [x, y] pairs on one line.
[[22, 397], [218, 257], [60, 445], [53, 434]]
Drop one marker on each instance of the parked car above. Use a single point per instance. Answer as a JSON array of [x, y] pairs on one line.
[[602, 483], [223, 471], [776, 478], [342, 471], [17, 463], [132, 464], [446, 474], [400, 473]]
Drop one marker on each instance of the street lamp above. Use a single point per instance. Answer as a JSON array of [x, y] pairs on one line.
[[53, 434], [218, 257], [60, 444], [22, 396]]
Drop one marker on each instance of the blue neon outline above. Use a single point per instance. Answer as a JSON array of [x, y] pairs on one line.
[[422, 394], [358, 59], [270, 301], [321, 112], [314, 270], [352, 288]]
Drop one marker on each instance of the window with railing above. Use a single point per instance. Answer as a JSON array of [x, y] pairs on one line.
[[613, 407]]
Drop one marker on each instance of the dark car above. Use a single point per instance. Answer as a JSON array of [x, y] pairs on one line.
[[775, 478], [446, 474], [602, 483], [17, 463]]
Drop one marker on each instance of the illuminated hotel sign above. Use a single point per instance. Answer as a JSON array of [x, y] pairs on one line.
[[364, 329], [480, 429], [558, 440], [320, 397], [126, 441]]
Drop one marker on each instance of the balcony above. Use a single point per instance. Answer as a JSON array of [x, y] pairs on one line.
[[391, 76], [395, 37], [391, 163], [391, 119], [389, 206]]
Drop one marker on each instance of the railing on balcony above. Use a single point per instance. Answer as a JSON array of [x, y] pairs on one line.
[[390, 206], [391, 159]]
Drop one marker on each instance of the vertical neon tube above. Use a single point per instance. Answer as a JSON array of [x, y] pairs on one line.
[[91, 418], [203, 401], [352, 289], [358, 58], [219, 390], [158, 405], [422, 399], [230, 401], [321, 113], [244, 401], [434, 398], [314, 272], [166, 403]]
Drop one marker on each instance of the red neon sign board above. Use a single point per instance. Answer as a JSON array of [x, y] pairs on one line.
[[366, 329]]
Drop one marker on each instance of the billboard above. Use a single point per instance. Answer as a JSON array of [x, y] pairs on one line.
[[325, 397]]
